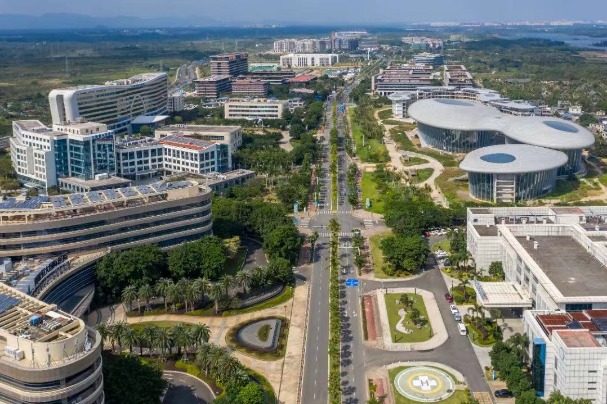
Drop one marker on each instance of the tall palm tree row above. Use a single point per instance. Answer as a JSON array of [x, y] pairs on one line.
[[190, 292], [217, 363], [157, 340]]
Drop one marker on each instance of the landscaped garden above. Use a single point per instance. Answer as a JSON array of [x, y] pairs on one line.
[[413, 161], [444, 245], [377, 254], [263, 338], [421, 175], [410, 308], [370, 191], [463, 294]]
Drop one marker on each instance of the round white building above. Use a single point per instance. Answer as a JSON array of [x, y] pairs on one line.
[[512, 172]]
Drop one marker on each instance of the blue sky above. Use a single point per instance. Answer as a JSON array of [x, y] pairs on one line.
[[322, 11]]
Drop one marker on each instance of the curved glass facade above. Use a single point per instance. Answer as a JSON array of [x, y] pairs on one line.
[[574, 159], [511, 187], [456, 141]]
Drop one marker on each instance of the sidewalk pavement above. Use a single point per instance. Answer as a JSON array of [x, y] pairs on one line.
[[284, 379], [439, 336]]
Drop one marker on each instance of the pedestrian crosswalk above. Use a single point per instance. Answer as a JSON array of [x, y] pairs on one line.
[[334, 212], [341, 234]]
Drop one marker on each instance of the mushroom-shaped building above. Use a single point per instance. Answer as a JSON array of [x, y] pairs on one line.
[[512, 172], [459, 126]]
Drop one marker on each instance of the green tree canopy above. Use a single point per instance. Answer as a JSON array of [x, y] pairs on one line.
[[405, 253], [137, 266], [283, 242], [129, 380], [204, 258]]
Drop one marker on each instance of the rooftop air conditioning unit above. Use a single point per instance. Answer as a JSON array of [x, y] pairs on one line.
[[13, 352]]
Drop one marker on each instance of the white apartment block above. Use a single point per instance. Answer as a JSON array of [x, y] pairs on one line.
[[230, 135], [256, 109], [301, 60], [176, 101], [116, 103], [301, 45]]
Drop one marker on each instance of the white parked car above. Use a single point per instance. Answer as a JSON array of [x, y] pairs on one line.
[[453, 309], [462, 329]]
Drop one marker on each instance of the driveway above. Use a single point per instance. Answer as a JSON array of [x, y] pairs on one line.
[[186, 389]]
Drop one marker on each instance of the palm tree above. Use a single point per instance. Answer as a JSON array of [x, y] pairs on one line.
[[117, 331], [128, 295], [464, 283], [146, 292], [183, 285], [231, 246], [473, 311], [104, 332], [259, 275], [495, 314], [164, 340], [202, 285], [200, 334], [244, 279], [203, 357], [174, 294], [148, 337], [181, 336], [130, 338], [228, 281], [162, 288], [216, 293], [333, 226]]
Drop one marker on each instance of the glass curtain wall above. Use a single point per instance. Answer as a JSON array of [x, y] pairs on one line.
[[528, 185], [456, 141]]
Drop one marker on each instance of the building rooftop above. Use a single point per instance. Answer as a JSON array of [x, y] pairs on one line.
[[187, 128], [149, 120], [486, 231], [512, 159], [542, 131], [305, 78], [210, 79], [109, 182], [502, 294], [186, 142], [577, 339], [572, 269]]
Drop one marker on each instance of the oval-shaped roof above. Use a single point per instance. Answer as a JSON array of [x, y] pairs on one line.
[[512, 159], [454, 114], [554, 133], [400, 96]]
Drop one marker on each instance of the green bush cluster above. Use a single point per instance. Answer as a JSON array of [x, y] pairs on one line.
[[334, 317]]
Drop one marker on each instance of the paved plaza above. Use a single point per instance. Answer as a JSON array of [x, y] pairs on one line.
[[424, 384]]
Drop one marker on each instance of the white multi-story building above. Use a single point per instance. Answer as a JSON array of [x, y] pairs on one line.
[[568, 353], [116, 103], [42, 155], [146, 157], [300, 60], [176, 101], [254, 109], [556, 256]]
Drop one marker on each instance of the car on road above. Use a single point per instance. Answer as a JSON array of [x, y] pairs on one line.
[[448, 297], [453, 309], [462, 329], [457, 316], [502, 393]]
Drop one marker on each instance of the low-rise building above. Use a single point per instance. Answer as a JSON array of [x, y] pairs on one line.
[[212, 86], [256, 109], [405, 77], [301, 60], [271, 76], [250, 87]]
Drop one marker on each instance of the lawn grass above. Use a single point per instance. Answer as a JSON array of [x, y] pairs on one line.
[[385, 113], [459, 396], [284, 297], [377, 255], [373, 151], [368, 186], [418, 334], [235, 264], [413, 161], [393, 122], [422, 175], [444, 245], [476, 336], [454, 191]]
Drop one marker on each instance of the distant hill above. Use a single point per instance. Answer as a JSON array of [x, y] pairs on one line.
[[78, 21]]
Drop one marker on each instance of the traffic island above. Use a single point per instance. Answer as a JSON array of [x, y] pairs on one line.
[[426, 382], [263, 338], [410, 319]]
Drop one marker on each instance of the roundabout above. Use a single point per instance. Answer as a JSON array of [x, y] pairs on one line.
[[424, 384]]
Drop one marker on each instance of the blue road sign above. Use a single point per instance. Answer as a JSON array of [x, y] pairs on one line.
[[352, 283]]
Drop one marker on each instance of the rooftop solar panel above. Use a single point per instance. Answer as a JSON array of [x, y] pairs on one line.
[[58, 202], [77, 199], [145, 189], [7, 302], [111, 194], [128, 192]]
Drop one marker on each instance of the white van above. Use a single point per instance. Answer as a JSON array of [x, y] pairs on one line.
[[462, 329]]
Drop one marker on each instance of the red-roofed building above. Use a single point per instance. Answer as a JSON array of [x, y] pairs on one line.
[[304, 79]]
